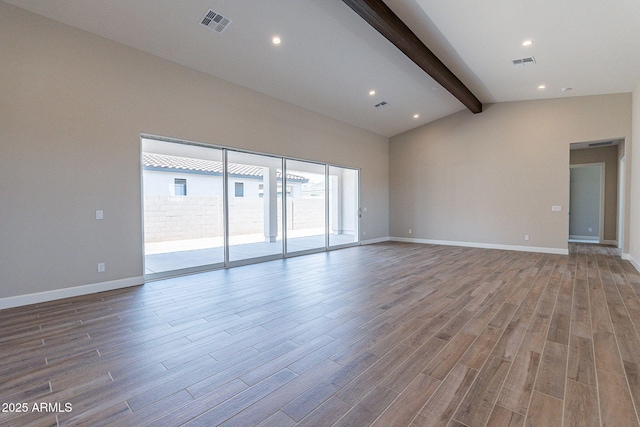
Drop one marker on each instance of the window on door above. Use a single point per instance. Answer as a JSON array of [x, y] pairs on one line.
[[183, 227], [255, 213], [306, 208]]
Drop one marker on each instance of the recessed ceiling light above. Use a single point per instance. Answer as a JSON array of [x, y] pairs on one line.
[[415, 116], [527, 43], [276, 40], [372, 92], [542, 87]]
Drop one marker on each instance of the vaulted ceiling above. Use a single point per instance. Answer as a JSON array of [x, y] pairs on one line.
[[330, 59]]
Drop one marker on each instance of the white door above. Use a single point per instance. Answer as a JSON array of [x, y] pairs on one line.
[[586, 194]]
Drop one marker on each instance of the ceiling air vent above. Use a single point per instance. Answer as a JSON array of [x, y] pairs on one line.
[[381, 104], [214, 21], [600, 144], [524, 61]]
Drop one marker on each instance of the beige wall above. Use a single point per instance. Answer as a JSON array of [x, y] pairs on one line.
[[491, 178], [608, 156], [73, 107], [633, 158]]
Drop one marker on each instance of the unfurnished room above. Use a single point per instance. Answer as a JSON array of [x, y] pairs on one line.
[[319, 213]]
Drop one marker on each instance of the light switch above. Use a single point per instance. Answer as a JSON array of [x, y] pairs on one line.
[[99, 215], [556, 208]]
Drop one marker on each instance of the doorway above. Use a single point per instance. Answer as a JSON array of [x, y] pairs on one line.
[[608, 185]]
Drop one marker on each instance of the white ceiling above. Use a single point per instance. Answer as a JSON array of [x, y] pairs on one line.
[[330, 58]]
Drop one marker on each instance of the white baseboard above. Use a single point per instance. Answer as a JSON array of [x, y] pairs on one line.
[[483, 245], [75, 291], [584, 238], [372, 241], [632, 261], [573, 239]]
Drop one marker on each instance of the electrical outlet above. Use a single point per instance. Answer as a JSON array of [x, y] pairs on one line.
[[590, 229], [99, 215], [410, 231], [526, 237], [101, 267]]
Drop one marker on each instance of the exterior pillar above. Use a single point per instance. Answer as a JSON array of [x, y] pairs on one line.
[[270, 185], [336, 204]]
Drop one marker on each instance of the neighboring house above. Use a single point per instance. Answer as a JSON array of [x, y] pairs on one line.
[[165, 175], [183, 200]]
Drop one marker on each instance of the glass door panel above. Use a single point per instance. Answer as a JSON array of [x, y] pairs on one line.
[[344, 204], [183, 207], [306, 208], [254, 206]]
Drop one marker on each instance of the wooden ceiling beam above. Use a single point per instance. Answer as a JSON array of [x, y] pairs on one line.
[[387, 23]]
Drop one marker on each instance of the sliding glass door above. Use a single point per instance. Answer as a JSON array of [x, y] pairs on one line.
[[183, 207], [210, 207], [306, 206]]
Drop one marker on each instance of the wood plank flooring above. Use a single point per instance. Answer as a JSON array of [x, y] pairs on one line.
[[392, 334]]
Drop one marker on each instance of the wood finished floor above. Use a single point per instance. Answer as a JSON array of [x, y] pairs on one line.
[[391, 334]]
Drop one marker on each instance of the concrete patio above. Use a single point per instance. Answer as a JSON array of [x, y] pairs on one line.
[[163, 257]]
